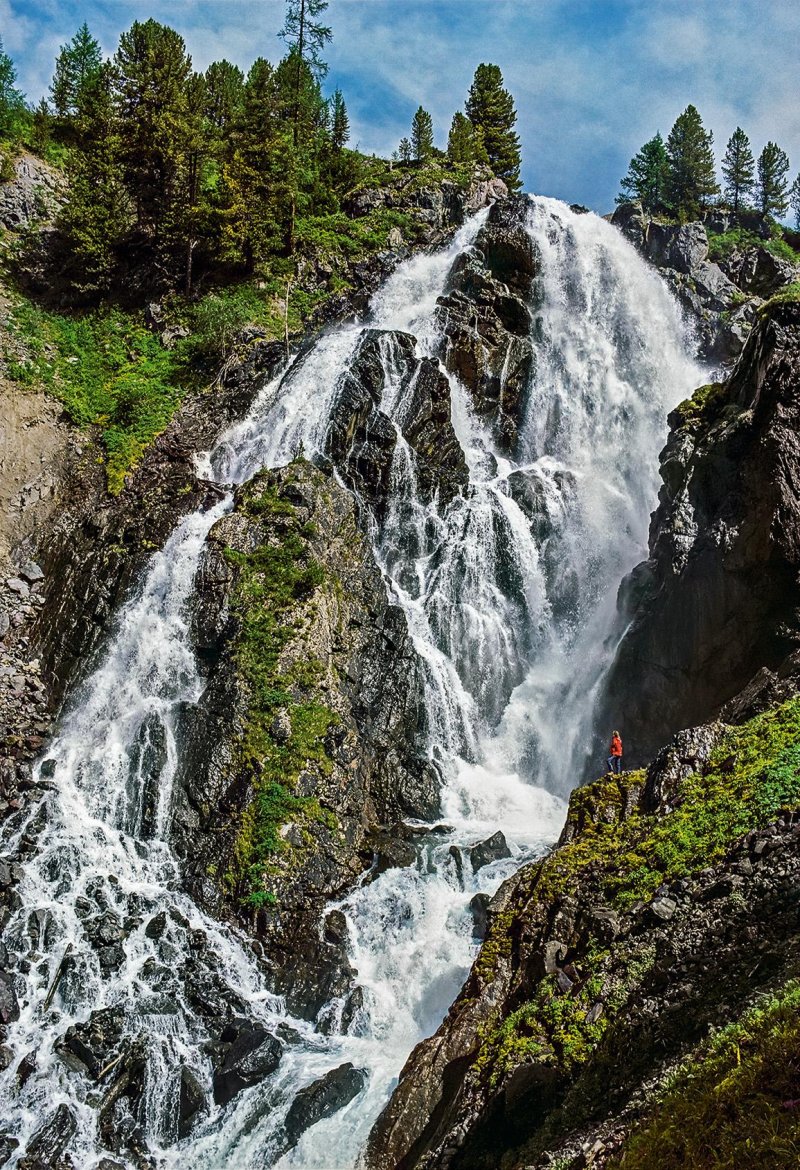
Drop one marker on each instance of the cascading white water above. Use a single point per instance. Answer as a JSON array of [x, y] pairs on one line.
[[509, 608]]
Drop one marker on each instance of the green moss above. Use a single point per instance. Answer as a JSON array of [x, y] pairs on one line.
[[704, 403], [721, 246], [735, 1104], [790, 295], [272, 582]]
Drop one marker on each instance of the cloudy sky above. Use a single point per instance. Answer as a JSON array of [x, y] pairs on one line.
[[592, 79]]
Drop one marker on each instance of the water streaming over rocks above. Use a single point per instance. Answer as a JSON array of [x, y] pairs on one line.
[[504, 545]]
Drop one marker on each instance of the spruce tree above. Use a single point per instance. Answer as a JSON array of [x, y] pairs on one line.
[[405, 150], [12, 101], [690, 179], [152, 74], [773, 186], [738, 170], [305, 38], [76, 65], [223, 96], [646, 176], [96, 213], [461, 144], [340, 123], [794, 200], [422, 135], [490, 109]]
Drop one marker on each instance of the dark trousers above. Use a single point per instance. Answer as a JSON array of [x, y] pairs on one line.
[[615, 764]]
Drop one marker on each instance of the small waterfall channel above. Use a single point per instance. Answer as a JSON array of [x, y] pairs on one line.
[[510, 612]]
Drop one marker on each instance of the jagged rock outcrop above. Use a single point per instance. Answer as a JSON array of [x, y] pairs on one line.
[[304, 740], [486, 317], [718, 601], [722, 299], [606, 963], [33, 195]]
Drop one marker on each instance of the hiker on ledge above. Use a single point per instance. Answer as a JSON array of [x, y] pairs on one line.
[[615, 758]]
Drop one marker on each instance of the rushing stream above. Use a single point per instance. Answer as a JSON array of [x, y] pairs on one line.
[[511, 621]]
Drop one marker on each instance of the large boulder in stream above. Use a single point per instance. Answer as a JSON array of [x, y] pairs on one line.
[[252, 1053], [46, 1147], [322, 1099]]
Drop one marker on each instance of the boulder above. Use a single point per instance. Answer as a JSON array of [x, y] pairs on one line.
[[252, 1054], [9, 1008], [494, 848], [191, 1102], [322, 1099], [51, 1139], [479, 908]]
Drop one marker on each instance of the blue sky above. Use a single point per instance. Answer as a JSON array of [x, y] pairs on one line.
[[592, 79]]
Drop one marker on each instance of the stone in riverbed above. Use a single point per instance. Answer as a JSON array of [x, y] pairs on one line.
[[494, 848], [9, 1008], [254, 1053], [323, 1098]]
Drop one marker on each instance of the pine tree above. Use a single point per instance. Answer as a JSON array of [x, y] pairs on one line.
[[340, 123], [12, 101], [76, 66], [96, 213], [646, 176], [405, 151], [461, 144], [41, 127], [152, 74], [794, 200], [738, 169], [223, 97], [490, 109], [773, 186], [422, 135], [305, 38], [691, 179]]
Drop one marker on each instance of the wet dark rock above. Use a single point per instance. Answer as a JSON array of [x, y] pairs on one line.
[[47, 769], [391, 852], [494, 848], [322, 1099], [8, 1146], [157, 925], [479, 908], [191, 1102], [50, 1141], [90, 1047], [253, 1054], [120, 1128], [9, 1007]]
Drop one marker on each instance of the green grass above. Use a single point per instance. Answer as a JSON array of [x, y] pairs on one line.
[[790, 295], [704, 402], [273, 581], [735, 1105], [722, 246]]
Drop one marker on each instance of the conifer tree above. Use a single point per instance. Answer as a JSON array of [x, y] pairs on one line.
[[223, 96], [794, 200], [462, 148], [76, 66], [96, 213], [12, 101], [422, 135], [340, 123], [773, 186], [691, 179], [305, 38], [738, 169], [405, 151], [646, 176], [152, 74], [490, 109]]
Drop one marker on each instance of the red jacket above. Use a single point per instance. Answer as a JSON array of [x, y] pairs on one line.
[[616, 746]]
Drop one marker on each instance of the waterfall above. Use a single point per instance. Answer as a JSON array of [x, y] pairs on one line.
[[509, 592]]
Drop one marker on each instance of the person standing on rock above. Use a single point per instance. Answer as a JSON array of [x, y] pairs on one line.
[[615, 756]]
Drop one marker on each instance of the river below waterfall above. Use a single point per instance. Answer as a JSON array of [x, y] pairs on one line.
[[513, 623]]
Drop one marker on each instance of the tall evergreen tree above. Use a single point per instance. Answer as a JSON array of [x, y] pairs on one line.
[[691, 179], [422, 135], [773, 185], [646, 176], [462, 147], [223, 96], [794, 200], [96, 213], [152, 75], [738, 169], [340, 122], [405, 150], [12, 100], [76, 66], [305, 37], [490, 109]]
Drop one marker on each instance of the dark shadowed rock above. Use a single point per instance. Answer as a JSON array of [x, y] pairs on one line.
[[48, 1143], [191, 1102], [252, 1055], [485, 852], [9, 1008], [322, 1099], [479, 908]]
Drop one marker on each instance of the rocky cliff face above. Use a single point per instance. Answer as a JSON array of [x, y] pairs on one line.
[[721, 299], [717, 601], [303, 744], [670, 902]]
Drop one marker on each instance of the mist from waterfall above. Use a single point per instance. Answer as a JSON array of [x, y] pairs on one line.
[[509, 592]]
